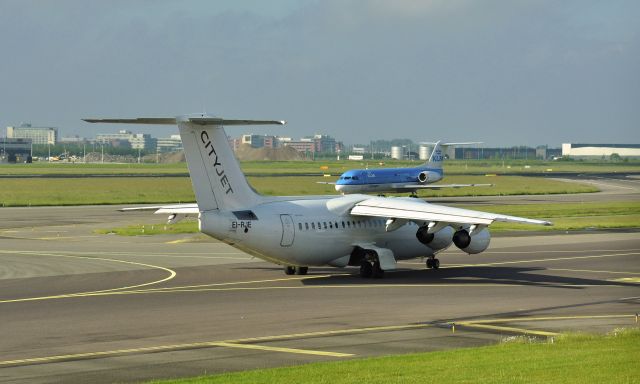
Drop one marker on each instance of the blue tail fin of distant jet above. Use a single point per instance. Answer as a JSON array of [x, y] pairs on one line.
[[438, 152], [437, 157]]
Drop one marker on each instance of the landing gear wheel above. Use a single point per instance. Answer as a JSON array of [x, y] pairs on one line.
[[378, 273], [435, 263], [429, 263], [366, 269], [302, 270], [289, 270]]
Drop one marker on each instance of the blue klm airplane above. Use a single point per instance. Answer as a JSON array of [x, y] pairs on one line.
[[381, 180]]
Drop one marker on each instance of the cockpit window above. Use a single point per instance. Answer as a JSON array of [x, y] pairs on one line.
[[347, 177], [355, 177]]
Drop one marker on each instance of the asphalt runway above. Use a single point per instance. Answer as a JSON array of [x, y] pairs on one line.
[[80, 307]]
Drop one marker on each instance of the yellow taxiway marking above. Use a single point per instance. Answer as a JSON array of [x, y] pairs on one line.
[[593, 271], [171, 272], [490, 323], [189, 287], [547, 318], [529, 261], [331, 333], [635, 280], [285, 350], [542, 260], [472, 324]]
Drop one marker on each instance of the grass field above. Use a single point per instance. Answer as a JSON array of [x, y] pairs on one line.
[[152, 190], [333, 167], [577, 358], [565, 217]]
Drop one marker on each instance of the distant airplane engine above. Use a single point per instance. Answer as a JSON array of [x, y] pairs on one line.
[[426, 176], [435, 241], [472, 244]]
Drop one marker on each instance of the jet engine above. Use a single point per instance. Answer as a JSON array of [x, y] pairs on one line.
[[472, 244], [428, 177], [435, 241]]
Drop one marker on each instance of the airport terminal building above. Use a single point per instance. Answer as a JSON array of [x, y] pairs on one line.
[[600, 150], [37, 135]]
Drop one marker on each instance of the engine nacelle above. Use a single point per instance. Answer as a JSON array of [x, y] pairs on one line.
[[435, 241], [472, 244], [428, 177]]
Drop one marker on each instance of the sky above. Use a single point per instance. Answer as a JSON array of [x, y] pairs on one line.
[[499, 71]]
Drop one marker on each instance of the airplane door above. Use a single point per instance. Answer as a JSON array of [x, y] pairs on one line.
[[288, 231]]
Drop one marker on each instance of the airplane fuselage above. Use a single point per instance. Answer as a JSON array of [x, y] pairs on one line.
[[312, 232], [386, 179]]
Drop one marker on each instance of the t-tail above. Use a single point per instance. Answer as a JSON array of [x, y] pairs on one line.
[[217, 179], [438, 153], [436, 158]]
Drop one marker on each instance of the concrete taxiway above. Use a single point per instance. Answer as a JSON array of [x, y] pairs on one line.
[[81, 307]]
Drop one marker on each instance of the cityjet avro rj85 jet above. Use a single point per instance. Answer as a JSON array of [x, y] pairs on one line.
[[297, 232]]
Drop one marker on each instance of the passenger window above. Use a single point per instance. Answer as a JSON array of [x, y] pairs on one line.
[[306, 225], [349, 224], [319, 226], [330, 225], [300, 226], [325, 225], [313, 225], [343, 226], [336, 225]]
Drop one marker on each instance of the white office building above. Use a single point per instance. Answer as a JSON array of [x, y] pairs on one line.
[[38, 135]]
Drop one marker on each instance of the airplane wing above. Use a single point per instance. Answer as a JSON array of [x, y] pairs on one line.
[[176, 212], [420, 210], [413, 187]]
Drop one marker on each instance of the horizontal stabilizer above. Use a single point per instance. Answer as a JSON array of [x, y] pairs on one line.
[[200, 120], [413, 187], [139, 120], [452, 144], [184, 209]]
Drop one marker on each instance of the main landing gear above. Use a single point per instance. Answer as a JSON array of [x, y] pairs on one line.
[[433, 263], [371, 269], [292, 270]]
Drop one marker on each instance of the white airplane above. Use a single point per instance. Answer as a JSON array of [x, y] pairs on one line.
[[298, 232], [410, 179]]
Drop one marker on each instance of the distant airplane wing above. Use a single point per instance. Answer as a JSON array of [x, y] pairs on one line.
[[438, 186], [415, 209], [176, 212]]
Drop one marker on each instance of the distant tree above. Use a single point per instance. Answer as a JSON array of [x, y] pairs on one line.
[[615, 157]]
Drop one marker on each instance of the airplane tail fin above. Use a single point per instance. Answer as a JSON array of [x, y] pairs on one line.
[[439, 148], [437, 157], [217, 179]]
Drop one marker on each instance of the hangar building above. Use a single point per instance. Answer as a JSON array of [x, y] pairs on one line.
[[600, 150], [15, 150]]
